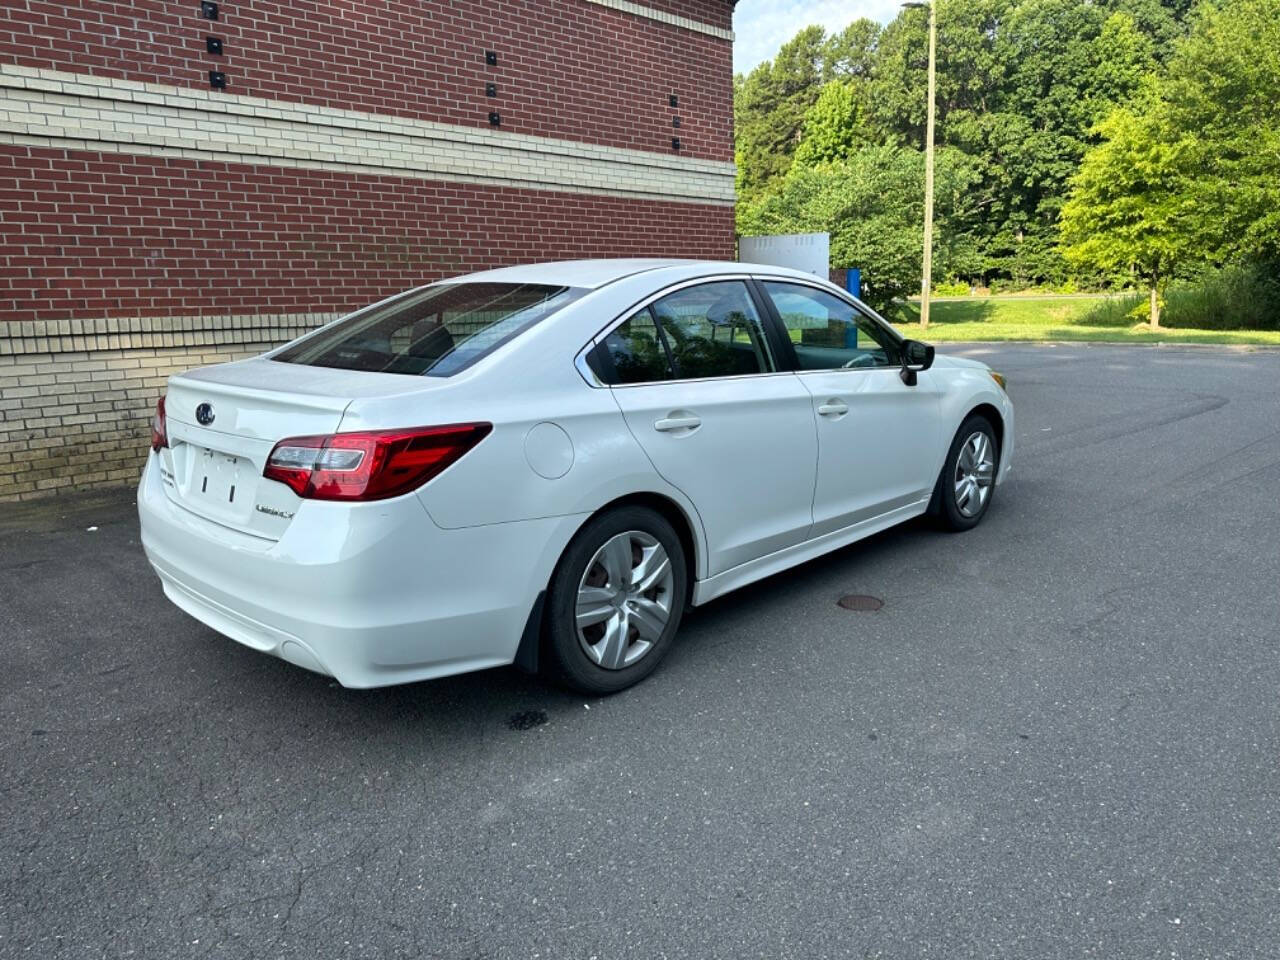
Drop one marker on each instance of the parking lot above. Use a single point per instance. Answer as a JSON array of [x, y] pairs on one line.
[[1058, 737]]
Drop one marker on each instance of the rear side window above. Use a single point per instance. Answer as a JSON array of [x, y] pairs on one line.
[[434, 332], [708, 330], [637, 351], [713, 330]]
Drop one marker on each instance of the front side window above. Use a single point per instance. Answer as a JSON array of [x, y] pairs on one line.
[[713, 330], [827, 332], [434, 332]]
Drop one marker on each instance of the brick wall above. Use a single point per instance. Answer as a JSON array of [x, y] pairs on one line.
[[122, 270], [149, 224], [86, 235], [566, 68], [75, 419]]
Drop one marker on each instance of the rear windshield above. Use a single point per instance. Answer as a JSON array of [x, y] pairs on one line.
[[433, 332]]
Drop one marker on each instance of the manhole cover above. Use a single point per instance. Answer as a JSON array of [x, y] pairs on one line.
[[860, 602]]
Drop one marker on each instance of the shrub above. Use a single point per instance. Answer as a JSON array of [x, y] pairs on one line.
[[1116, 311], [1243, 297]]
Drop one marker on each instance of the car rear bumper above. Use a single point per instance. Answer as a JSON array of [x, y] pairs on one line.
[[371, 594]]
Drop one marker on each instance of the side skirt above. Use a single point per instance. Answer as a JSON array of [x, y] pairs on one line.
[[772, 563]]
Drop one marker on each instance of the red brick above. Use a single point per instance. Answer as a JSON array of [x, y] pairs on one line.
[[327, 241], [566, 68]]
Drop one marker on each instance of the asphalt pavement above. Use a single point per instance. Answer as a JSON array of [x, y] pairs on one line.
[[1057, 738]]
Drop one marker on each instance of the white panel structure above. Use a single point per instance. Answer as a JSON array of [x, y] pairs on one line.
[[810, 252]]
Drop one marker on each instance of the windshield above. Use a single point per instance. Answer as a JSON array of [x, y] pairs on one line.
[[435, 332]]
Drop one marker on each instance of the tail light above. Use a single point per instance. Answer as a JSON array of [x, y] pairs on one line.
[[159, 431], [371, 465]]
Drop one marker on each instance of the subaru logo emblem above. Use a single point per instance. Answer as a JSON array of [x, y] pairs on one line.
[[204, 414]]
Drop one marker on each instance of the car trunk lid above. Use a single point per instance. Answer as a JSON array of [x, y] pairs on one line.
[[224, 421]]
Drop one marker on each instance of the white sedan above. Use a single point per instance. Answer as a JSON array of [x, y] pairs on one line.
[[547, 464]]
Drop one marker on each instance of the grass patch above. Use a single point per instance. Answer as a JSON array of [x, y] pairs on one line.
[[1067, 317]]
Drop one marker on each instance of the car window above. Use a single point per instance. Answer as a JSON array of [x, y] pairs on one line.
[[637, 351], [713, 330], [435, 332], [827, 332]]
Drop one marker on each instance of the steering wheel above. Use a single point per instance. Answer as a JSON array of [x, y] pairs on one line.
[[861, 360]]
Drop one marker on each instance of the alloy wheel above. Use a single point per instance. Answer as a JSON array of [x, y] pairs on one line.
[[624, 599], [975, 472]]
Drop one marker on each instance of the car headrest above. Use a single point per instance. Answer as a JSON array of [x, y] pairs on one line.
[[428, 339]]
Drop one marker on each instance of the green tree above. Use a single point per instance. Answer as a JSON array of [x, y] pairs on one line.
[[1222, 97], [1189, 175], [770, 104], [851, 53], [1123, 58], [1021, 84], [834, 126], [1129, 207], [871, 203]]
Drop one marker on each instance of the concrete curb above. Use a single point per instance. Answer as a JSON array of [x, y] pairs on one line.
[[1159, 344]]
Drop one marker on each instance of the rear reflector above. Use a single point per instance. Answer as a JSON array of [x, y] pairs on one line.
[[159, 428], [370, 465]]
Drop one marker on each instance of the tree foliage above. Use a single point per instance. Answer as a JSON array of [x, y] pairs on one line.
[[871, 202], [1188, 175], [834, 127], [770, 106], [1021, 86], [1221, 98], [1129, 208]]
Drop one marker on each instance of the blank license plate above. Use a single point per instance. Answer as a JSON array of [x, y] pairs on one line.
[[216, 475]]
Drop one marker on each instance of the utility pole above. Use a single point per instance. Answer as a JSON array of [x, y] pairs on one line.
[[926, 279]]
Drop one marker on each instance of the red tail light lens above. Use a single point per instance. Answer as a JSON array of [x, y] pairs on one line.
[[159, 430], [371, 465]]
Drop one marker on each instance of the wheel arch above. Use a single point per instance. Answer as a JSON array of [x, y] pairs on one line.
[[674, 514], [994, 417], [529, 650]]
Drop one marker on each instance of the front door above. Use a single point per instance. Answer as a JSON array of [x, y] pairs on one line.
[[879, 440]]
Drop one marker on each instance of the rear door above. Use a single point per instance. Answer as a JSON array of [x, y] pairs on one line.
[[879, 440], [695, 375]]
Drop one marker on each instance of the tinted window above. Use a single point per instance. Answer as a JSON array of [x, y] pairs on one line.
[[829, 333], [436, 331], [637, 351], [713, 330]]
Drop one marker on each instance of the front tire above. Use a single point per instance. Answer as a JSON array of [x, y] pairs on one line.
[[616, 601], [967, 481]]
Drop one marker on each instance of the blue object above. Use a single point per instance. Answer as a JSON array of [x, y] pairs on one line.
[[852, 283]]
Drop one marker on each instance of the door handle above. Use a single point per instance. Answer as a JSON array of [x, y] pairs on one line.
[[833, 408], [686, 422]]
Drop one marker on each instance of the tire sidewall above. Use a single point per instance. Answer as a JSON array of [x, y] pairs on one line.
[[948, 512], [572, 666]]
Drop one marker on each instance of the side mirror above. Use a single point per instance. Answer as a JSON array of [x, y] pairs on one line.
[[916, 356]]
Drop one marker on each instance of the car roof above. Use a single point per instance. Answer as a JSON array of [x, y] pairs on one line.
[[592, 274]]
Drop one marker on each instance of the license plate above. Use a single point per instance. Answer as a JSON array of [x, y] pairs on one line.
[[215, 476]]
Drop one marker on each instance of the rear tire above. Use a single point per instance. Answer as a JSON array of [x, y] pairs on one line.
[[966, 483], [616, 600]]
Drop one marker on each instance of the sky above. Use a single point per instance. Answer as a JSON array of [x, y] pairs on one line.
[[762, 26]]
